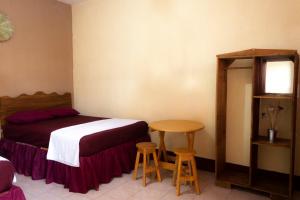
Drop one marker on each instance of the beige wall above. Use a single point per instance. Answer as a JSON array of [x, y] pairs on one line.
[[39, 55], [155, 59]]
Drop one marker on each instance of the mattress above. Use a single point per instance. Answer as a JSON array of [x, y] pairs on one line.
[[38, 133]]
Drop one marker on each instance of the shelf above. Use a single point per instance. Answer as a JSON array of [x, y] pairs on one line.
[[273, 96], [235, 177], [277, 185], [274, 184], [279, 142]]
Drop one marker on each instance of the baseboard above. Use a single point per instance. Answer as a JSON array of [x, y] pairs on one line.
[[209, 165], [205, 164]]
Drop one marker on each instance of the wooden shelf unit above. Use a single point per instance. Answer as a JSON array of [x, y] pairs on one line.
[[277, 186], [273, 96], [279, 142], [239, 177]]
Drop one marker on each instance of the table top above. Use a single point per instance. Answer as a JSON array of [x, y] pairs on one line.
[[176, 126]]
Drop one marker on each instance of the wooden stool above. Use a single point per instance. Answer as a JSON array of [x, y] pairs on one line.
[[146, 148], [188, 156]]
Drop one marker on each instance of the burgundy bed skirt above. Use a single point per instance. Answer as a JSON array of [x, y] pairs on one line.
[[15, 193], [94, 170]]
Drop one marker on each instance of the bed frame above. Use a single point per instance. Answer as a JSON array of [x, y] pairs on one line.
[[98, 168], [39, 100]]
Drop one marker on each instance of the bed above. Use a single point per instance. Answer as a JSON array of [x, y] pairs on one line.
[[102, 156], [7, 190]]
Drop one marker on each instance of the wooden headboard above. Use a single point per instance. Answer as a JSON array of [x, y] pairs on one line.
[[39, 100]]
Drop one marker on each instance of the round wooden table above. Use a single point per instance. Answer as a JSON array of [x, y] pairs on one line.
[[186, 127]]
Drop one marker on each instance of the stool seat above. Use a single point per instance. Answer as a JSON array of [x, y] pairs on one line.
[[146, 149], [179, 175]]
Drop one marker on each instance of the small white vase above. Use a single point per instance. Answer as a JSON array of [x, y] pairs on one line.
[[271, 135]]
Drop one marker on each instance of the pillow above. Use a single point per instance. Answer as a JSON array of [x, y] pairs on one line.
[[28, 116], [62, 112]]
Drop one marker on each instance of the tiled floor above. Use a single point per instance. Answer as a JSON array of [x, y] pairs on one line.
[[125, 188]]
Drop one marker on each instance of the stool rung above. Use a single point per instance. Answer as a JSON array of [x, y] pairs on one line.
[[150, 169], [168, 166]]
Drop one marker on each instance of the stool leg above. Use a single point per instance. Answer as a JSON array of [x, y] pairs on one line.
[[197, 187], [186, 171], [144, 166], [148, 159], [175, 170], [178, 177], [137, 161], [190, 171], [156, 166]]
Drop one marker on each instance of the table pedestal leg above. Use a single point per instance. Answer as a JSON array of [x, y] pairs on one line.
[[162, 146], [190, 139]]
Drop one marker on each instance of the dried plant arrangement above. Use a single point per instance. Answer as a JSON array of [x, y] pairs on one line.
[[272, 113]]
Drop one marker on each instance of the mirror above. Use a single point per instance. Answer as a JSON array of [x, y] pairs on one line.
[[279, 77]]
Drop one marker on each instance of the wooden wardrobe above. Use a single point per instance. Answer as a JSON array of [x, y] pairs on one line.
[[277, 185]]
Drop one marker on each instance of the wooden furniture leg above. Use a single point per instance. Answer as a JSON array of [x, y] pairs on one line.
[[178, 176], [148, 159], [144, 166], [162, 146], [156, 166], [190, 172], [137, 161], [194, 168], [175, 171], [190, 140]]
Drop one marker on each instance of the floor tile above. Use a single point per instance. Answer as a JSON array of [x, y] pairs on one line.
[[147, 194], [212, 192], [126, 188]]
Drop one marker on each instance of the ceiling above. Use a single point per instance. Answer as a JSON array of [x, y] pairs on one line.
[[70, 1]]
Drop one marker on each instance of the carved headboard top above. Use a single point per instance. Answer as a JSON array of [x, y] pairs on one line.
[[39, 100]]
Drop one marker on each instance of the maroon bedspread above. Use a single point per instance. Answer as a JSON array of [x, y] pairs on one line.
[[14, 193], [38, 133], [96, 169], [7, 171]]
